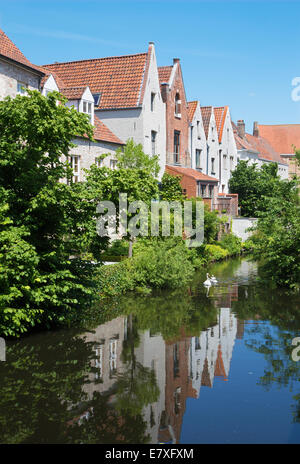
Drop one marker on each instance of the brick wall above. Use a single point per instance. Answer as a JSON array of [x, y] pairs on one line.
[[173, 122]]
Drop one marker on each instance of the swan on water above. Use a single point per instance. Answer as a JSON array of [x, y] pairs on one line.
[[207, 283], [213, 279]]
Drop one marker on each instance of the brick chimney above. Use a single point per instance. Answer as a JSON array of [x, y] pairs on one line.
[[241, 128], [255, 129], [164, 88]]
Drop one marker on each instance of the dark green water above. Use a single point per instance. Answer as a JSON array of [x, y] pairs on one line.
[[192, 366]]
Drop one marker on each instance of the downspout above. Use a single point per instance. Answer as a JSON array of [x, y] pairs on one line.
[[207, 158], [191, 127]]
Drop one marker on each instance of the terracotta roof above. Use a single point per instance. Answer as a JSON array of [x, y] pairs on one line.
[[191, 109], [282, 137], [206, 115], [257, 144], [197, 175], [73, 93], [102, 132], [220, 115], [164, 73], [219, 366], [47, 73], [118, 79], [11, 51]]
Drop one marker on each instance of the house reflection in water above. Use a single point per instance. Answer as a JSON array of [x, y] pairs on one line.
[[182, 366]]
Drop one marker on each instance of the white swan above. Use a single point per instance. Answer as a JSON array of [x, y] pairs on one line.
[[213, 279], [207, 283]]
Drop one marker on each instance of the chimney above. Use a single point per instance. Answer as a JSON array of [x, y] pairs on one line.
[[175, 60], [255, 129], [164, 87], [241, 128]]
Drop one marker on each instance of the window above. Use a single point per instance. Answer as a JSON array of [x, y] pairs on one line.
[[225, 161], [231, 163], [112, 357], [213, 165], [211, 191], [87, 109], [198, 159], [198, 130], [153, 142], [98, 361], [96, 98], [113, 164], [152, 100], [177, 105], [176, 146], [202, 190], [176, 360], [99, 162], [75, 165], [21, 88]]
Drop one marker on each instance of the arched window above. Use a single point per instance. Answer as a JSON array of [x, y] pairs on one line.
[[177, 105]]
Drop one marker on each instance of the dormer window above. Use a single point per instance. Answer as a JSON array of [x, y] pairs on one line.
[[87, 109], [97, 98], [21, 88], [177, 105]]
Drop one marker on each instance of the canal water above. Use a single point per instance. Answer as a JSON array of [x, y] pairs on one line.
[[191, 366]]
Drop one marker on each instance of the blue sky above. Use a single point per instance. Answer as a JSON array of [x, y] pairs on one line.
[[238, 53]]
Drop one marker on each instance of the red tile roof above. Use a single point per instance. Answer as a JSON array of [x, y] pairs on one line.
[[103, 133], [73, 93], [220, 115], [164, 73], [191, 109], [197, 175], [118, 79], [206, 115], [282, 137], [11, 51], [257, 144]]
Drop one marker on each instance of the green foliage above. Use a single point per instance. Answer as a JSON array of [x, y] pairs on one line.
[[231, 243], [132, 156], [278, 240], [215, 253], [171, 188], [255, 186], [38, 283]]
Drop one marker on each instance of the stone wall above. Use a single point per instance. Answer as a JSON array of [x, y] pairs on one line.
[[10, 74]]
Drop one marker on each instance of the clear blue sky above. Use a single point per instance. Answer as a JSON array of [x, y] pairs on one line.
[[238, 53]]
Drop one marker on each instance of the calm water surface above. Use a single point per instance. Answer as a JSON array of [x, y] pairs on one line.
[[192, 366]]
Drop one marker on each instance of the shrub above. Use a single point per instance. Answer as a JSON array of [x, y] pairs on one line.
[[231, 243], [215, 253]]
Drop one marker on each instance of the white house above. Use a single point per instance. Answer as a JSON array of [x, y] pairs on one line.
[[227, 147], [212, 140], [16, 72], [126, 94], [197, 138]]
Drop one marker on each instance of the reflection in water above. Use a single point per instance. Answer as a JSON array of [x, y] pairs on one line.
[[129, 380]]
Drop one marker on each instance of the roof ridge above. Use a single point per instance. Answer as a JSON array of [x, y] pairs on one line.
[[93, 59]]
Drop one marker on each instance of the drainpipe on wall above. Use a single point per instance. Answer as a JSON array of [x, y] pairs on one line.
[[207, 158], [191, 127]]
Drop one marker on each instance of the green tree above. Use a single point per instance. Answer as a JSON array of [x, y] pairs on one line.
[[38, 282], [132, 156], [255, 185]]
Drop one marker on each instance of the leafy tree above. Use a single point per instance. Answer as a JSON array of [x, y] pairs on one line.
[[38, 282], [132, 156], [255, 186], [171, 189]]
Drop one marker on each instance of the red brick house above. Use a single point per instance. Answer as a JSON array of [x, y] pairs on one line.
[[178, 156]]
